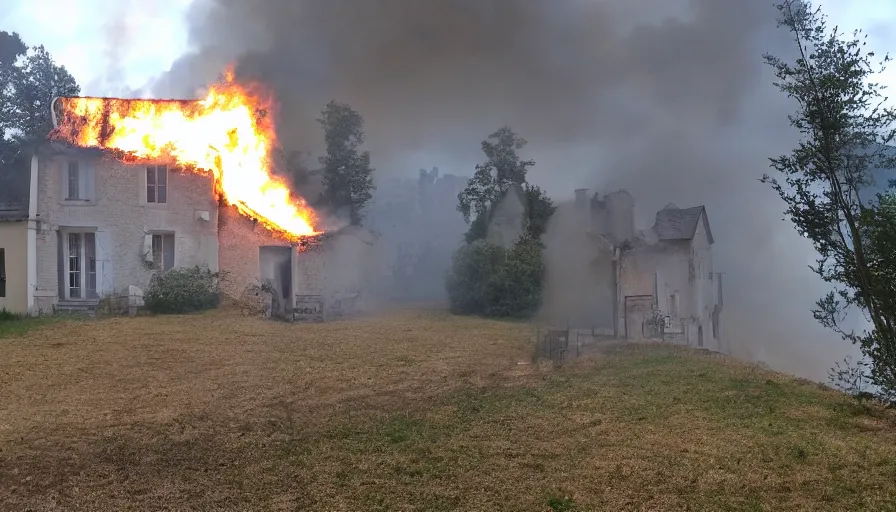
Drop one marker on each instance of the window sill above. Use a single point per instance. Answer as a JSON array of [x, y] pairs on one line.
[[78, 202]]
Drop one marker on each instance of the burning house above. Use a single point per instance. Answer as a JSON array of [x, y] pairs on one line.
[[126, 188]]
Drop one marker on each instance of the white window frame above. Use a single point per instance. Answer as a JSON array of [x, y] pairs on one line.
[[85, 188], [84, 263], [151, 195], [158, 239]]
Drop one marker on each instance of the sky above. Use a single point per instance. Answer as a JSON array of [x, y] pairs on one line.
[[115, 46]]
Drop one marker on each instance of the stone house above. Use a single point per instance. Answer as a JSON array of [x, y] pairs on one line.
[[77, 225], [344, 268], [677, 254], [97, 226], [605, 276]]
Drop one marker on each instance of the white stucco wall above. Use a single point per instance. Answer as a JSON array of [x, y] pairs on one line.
[[663, 269], [704, 290], [121, 218], [14, 243]]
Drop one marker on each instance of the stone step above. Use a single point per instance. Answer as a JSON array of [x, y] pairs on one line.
[[87, 308]]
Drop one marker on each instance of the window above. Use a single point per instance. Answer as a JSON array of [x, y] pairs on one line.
[[163, 251], [673, 305], [157, 184], [78, 181], [74, 189], [2, 272]]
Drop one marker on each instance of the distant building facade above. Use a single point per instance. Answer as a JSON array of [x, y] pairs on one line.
[[605, 275]]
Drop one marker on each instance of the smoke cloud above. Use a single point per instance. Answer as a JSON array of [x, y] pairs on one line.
[[667, 99]]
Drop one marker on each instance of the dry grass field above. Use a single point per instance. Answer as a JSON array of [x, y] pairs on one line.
[[414, 411]]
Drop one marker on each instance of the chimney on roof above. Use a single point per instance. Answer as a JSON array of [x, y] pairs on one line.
[[621, 215]]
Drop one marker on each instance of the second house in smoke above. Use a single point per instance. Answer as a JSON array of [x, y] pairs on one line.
[[606, 276]]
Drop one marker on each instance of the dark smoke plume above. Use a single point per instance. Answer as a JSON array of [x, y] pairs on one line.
[[669, 99]]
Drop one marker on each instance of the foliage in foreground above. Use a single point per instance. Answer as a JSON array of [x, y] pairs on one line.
[[486, 279], [182, 290], [828, 180], [489, 280]]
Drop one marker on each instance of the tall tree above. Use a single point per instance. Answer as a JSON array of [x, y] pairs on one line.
[[846, 131], [492, 179], [11, 49], [29, 80], [347, 175]]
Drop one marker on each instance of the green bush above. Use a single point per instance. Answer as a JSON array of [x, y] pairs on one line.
[[471, 268], [485, 279], [515, 290], [182, 290]]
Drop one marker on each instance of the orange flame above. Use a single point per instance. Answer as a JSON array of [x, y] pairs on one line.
[[230, 133]]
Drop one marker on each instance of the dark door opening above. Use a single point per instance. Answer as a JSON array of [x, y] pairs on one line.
[[275, 267]]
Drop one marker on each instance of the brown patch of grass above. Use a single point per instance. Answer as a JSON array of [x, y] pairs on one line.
[[413, 411]]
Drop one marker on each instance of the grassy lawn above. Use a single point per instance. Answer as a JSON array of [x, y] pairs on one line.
[[12, 324], [416, 411]]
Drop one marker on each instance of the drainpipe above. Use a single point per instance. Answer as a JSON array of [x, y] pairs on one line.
[[617, 259], [721, 296], [31, 247]]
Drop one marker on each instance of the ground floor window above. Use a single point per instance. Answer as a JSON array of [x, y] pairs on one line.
[[80, 265], [163, 251]]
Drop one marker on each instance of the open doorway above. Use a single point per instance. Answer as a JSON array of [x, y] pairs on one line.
[[275, 267]]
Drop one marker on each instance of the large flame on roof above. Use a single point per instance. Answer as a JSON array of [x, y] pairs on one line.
[[230, 134]]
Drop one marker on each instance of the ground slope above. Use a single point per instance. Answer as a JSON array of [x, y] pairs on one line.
[[415, 411]]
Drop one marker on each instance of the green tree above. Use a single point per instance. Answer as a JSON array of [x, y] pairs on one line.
[[846, 128], [11, 49], [486, 279], [472, 268], [492, 180], [539, 210], [347, 175], [515, 289], [29, 80]]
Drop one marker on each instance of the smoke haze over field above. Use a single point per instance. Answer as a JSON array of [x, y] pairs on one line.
[[668, 99]]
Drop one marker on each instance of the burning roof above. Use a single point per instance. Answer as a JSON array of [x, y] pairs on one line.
[[230, 134]]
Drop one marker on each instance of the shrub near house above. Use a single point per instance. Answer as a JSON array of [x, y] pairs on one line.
[[183, 290]]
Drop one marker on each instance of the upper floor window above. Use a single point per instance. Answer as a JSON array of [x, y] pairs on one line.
[[157, 184], [77, 181]]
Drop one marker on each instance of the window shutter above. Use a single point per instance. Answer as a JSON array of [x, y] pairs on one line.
[[89, 181], [147, 248], [168, 252]]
